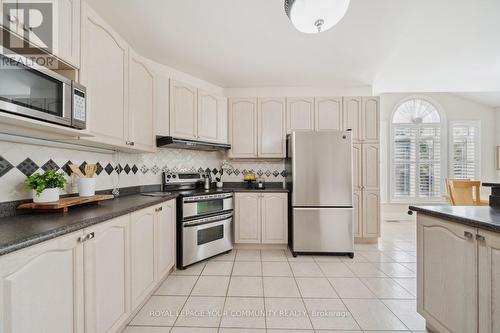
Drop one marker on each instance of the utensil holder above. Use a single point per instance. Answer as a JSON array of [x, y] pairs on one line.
[[86, 186]]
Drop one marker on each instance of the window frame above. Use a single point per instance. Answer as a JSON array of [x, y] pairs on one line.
[[443, 155], [477, 145]]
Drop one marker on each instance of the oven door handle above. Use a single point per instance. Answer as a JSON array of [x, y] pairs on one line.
[[200, 222]]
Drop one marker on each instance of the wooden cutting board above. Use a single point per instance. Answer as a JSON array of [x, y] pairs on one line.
[[63, 204]]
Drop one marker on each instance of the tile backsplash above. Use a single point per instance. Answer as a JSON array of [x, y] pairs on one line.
[[117, 170]]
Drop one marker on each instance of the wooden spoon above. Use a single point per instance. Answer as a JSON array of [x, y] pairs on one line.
[[90, 170], [75, 170]]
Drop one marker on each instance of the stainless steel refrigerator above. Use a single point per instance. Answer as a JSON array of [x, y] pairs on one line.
[[319, 174]]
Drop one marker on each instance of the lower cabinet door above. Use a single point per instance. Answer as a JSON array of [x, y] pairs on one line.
[[274, 218], [107, 276], [447, 275], [142, 250], [247, 218], [165, 238], [41, 288], [489, 282], [357, 214], [371, 213]]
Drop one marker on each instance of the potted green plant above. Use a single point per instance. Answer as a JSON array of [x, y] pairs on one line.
[[45, 186]]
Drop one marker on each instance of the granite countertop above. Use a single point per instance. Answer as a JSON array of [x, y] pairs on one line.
[[483, 217], [17, 232], [275, 187]]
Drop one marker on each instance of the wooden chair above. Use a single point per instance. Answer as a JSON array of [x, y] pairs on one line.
[[464, 192]]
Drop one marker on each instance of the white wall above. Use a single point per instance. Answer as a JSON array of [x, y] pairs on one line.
[[455, 108]]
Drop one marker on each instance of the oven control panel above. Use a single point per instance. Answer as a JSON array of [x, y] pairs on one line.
[[183, 177]]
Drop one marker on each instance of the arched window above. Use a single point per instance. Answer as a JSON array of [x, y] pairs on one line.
[[416, 151]]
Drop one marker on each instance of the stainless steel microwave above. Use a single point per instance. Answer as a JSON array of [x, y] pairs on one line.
[[36, 92]]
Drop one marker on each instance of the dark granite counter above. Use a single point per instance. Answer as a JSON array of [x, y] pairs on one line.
[[483, 217], [275, 187], [20, 231]]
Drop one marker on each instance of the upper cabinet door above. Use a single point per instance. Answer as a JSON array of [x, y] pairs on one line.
[[162, 114], [183, 106], [299, 114], [68, 31], [328, 113], [208, 116], [352, 116], [142, 103], [41, 288], [271, 128], [243, 127], [104, 72], [371, 119], [222, 135]]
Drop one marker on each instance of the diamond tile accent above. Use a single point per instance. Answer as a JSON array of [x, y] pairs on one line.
[[260, 173], [283, 173], [268, 173], [155, 169], [99, 168], [66, 168], [276, 173], [27, 167], [118, 169], [144, 169], [50, 165], [135, 169], [82, 167], [109, 169], [164, 168], [236, 172], [229, 172], [5, 166], [207, 170], [200, 170], [126, 169], [215, 171]]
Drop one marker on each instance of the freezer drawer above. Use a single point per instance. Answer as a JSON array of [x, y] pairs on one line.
[[322, 230]]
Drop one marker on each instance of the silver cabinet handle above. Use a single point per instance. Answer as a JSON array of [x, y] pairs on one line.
[[82, 239], [480, 238], [90, 236], [129, 143], [159, 209], [468, 234]]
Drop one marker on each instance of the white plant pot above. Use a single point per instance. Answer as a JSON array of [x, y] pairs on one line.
[[220, 184], [86, 186], [47, 195]]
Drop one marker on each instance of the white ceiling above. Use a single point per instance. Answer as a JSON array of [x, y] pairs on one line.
[[394, 45], [491, 99]]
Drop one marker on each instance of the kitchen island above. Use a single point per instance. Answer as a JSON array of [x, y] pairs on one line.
[[458, 268]]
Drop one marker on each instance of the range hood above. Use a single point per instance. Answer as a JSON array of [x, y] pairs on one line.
[[171, 142]]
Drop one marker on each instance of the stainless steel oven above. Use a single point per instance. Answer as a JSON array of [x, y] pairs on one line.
[[206, 237], [206, 204], [33, 91]]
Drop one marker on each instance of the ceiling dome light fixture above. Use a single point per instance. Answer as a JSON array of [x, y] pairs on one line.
[[315, 16]]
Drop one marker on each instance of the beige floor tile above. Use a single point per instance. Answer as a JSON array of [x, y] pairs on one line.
[[159, 311], [406, 311], [201, 312], [273, 255], [291, 331], [286, 313], [242, 330], [319, 259], [248, 255], [276, 269], [315, 288], [351, 288], [394, 269], [409, 284], [218, 268], [386, 288], [241, 312], [376, 256], [246, 286], [177, 285], [329, 314], [247, 268], [194, 330], [195, 269], [365, 247], [372, 314], [225, 257], [358, 257], [145, 329], [335, 269], [280, 287], [402, 257], [365, 270], [298, 258], [410, 265], [306, 269], [211, 286]]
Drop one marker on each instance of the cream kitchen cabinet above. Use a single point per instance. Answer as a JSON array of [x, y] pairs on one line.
[[357, 217], [362, 116], [489, 281], [107, 275], [183, 110], [328, 113], [352, 116], [142, 253], [41, 288], [371, 167], [243, 127], [165, 238], [357, 166], [104, 71], [212, 117], [299, 114], [141, 133], [371, 214], [261, 218], [447, 275], [162, 104], [271, 128]]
